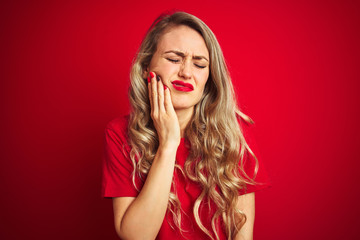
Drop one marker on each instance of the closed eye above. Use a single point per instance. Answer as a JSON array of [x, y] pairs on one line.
[[200, 66], [172, 60], [176, 61]]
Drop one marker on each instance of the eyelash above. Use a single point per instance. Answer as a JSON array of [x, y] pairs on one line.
[[175, 61]]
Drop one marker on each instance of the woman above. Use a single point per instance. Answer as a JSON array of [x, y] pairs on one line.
[[179, 167]]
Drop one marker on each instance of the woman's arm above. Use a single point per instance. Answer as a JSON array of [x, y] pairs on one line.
[[141, 217], [246, 203]]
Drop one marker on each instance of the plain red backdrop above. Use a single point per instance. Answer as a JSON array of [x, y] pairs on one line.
[[64, 75]]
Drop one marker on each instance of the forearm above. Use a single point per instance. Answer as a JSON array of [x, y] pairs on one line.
[[146, 213]]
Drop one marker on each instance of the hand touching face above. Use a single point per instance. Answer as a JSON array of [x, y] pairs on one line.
[[182, 62], [163, 114]]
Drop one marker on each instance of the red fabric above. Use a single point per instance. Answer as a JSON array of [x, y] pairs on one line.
[[117, 181]]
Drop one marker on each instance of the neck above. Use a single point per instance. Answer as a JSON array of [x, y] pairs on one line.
[[184, 117]]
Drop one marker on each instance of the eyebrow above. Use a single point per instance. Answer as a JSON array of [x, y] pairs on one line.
[[181, 54]]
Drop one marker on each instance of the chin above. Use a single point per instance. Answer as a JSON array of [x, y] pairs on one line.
[[181, 103], [183, 106]]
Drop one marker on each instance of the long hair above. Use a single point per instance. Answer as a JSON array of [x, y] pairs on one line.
[[218, 147]]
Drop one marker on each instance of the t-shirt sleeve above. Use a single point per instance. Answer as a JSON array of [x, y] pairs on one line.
[[261, 178], [117, 165]]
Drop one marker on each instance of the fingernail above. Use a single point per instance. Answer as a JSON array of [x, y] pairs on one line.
[[149, 79], [165, 87], [158, 77], [152, 74]]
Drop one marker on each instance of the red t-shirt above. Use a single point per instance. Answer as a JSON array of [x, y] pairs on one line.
[[117, 181]]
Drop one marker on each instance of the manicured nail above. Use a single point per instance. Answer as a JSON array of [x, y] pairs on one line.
[[158, 77], [149, 79], [165, 87], [152, 74]]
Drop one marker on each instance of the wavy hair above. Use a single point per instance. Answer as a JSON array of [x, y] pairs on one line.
[[218, 147]]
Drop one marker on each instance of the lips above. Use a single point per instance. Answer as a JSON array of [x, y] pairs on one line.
[[182, 86]]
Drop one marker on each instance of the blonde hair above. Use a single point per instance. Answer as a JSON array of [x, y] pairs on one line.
[[217, 143]]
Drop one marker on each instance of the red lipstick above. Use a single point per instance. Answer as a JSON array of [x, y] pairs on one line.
[[182, 86]]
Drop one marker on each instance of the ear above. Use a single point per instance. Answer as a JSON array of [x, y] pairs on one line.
[[145, 73]]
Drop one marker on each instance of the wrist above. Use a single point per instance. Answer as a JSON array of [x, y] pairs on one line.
[[172, 144], [167, 149], [166, 155]]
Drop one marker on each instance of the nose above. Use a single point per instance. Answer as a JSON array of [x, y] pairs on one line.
[[185, 70]]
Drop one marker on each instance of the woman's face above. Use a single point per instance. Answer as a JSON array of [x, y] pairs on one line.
[[182, 62]]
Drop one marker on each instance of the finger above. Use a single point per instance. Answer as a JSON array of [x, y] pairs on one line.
[[150, 93], [167, 101], [154, 93], [160, 89]]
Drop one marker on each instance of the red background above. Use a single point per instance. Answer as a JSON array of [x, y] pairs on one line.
[[64, 75]]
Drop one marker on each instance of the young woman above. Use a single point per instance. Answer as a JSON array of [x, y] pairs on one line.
[[180, 166]]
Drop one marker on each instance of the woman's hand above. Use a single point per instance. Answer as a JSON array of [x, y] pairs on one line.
[[162, 113]]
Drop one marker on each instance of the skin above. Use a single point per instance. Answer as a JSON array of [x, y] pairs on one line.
[[177, 58]]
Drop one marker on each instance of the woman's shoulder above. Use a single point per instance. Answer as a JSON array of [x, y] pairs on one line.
[[116, 133], [117, 129], [118, 124]]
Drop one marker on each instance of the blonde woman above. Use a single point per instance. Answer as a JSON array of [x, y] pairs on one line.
[[180, 166]]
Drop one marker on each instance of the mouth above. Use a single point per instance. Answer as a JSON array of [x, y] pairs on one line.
[[182, 86]]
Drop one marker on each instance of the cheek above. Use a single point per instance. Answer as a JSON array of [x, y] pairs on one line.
[[202, 79], [164, 68], [201, 87]]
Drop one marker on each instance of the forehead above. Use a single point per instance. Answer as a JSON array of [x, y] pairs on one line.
[[183, 38]]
